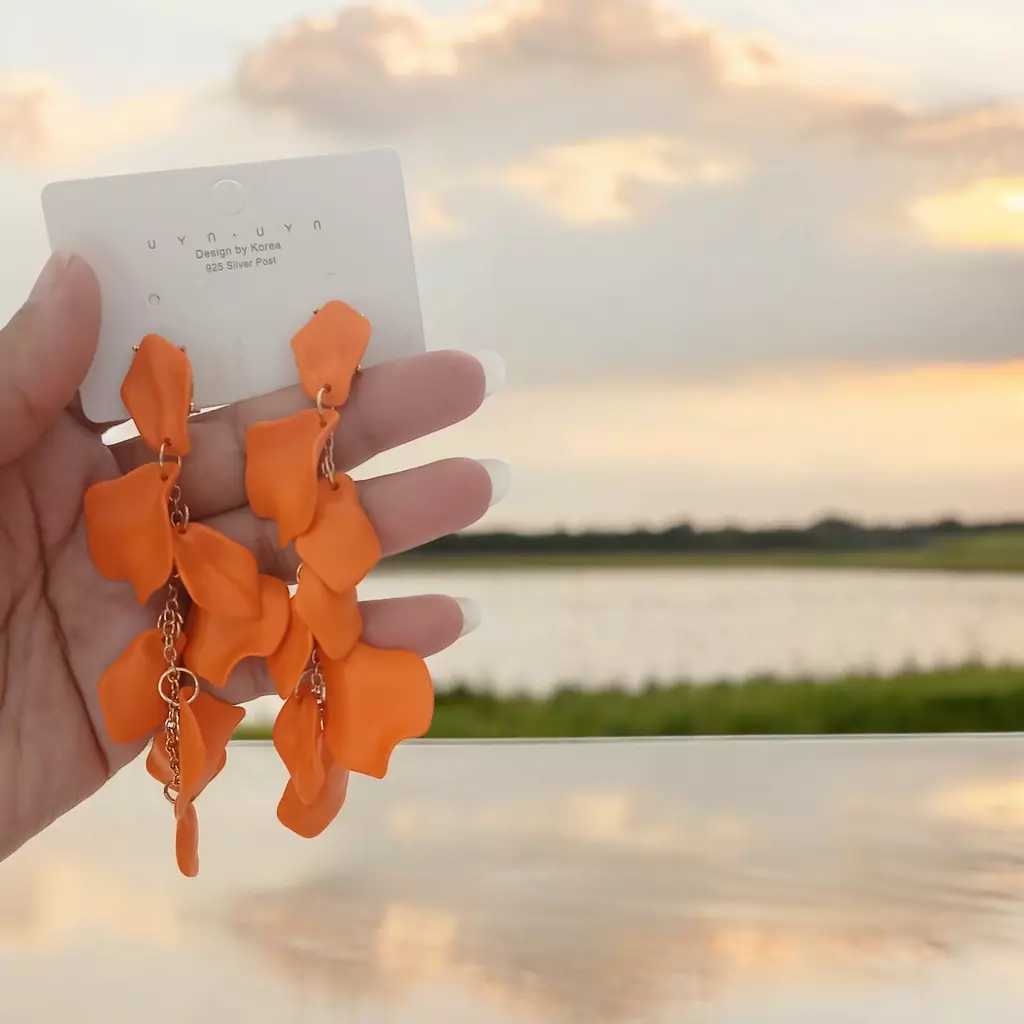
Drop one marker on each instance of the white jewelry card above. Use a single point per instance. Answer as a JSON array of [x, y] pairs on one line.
[[229, 262]]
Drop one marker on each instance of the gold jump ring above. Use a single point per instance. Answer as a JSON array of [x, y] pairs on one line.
[[161, 458], [325, 390], [179, 670]]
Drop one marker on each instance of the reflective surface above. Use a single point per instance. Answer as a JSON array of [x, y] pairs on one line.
[[596, 626], [715, 881]]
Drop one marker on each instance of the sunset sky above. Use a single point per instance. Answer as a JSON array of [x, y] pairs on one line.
[[746, 259]]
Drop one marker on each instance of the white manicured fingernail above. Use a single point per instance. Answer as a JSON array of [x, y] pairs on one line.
[[501, 478], [471, 614], [494, 371]]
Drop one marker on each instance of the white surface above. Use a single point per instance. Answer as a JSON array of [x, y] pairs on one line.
[[665, 882], [236, 310]]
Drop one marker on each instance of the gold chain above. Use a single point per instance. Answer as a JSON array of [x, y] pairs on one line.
[[327, 469], [171, 622], [317, 683], [178, 510]]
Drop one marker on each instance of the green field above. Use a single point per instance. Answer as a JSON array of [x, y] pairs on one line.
[[967, 699], [998, 551]]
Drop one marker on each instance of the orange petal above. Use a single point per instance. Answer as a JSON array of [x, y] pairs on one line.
[[289, 661], [333, 618], [309, 820], [128, 691], [341, 546], [328, 350], [217, 643], [297, 740], [191, 751], [217, 722], [159, 767], [157, 763], [219, 574], [128, 527], [157, 392], [186, 838], [281, 469], [375, 699]]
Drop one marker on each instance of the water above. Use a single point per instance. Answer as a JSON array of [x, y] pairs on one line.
[[716, 882], [598, 626]]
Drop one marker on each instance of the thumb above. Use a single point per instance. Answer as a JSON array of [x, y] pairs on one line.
[[45, 352]]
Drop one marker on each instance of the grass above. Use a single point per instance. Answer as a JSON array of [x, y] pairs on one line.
[[999, 551], [971, 698]]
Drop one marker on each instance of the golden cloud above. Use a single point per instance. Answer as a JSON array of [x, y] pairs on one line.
[[987, 214], [585, 105], [606, 180], [766, 214], [42, 124], [24, 131], [429, 216], [375, 68]]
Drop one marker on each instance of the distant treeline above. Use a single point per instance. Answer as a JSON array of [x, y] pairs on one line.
[[830, 534]]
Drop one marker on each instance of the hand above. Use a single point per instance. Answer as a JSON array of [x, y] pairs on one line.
[[62, 624]]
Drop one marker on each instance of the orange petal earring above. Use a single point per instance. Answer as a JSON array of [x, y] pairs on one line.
[[139, 531], [347, 705]]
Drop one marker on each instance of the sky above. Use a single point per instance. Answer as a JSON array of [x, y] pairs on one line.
[[747, 260]]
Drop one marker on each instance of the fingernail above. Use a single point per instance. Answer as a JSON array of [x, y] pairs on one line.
[[501, 478], [49, 277], [494, 371], [471, 614]]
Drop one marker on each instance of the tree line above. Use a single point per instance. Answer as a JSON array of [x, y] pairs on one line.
[[829, 534]]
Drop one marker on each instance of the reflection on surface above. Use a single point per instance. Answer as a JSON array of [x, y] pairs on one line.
[[726, 881], [57, 902], [596, 626]]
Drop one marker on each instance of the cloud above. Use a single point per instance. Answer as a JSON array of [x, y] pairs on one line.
[[608, 180], [24, 131], [987, 214], [42, 124], [984, 137], [430, 217], [375, 70], [591, 171], [591, 69]]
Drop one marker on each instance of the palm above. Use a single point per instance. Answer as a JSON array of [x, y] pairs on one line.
[[62, 624]]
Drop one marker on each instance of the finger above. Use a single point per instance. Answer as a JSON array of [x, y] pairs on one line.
[[424, 624], [389, 405], [45, 352], [76, 412], [407, 509]]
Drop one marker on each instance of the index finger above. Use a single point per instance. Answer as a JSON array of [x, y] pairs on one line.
[[389, 405]]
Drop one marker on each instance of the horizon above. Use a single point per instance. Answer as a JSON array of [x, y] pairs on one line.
[[482, 531]]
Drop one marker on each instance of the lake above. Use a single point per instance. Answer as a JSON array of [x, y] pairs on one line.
[[672, 882], [598, 626]]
